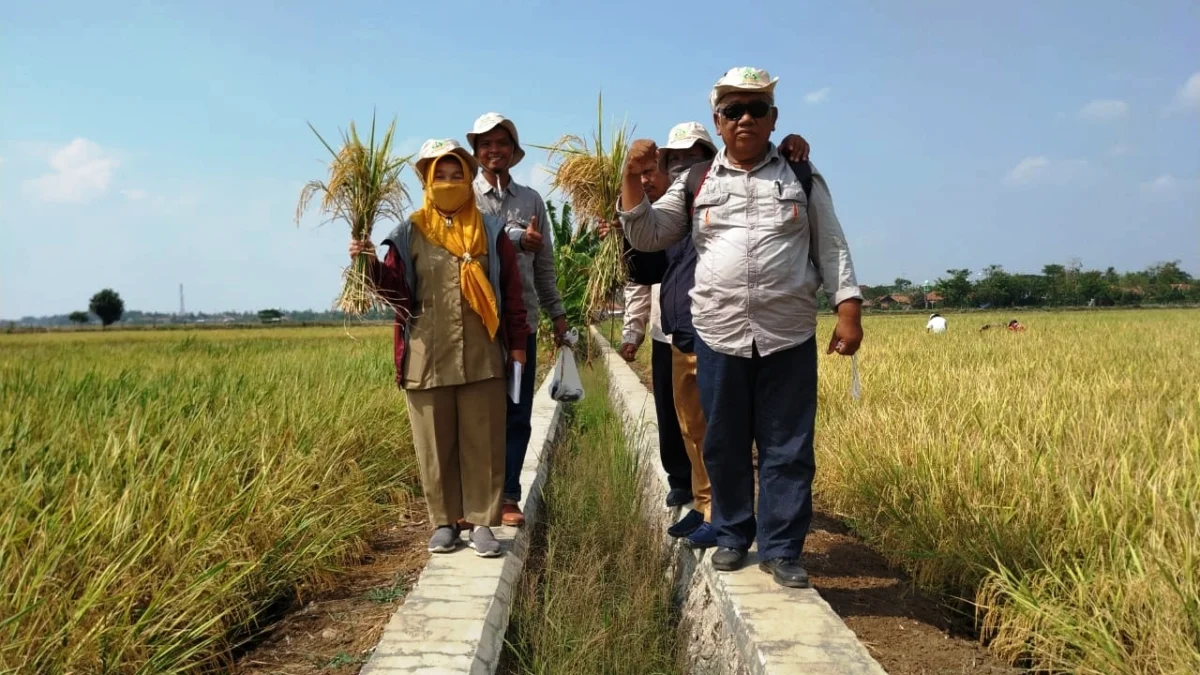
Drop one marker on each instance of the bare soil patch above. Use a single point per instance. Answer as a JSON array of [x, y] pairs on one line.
[[334, 632]]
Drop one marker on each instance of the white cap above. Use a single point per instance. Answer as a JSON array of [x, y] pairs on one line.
[[489, 121], [686, 134], [743, 78], [440, 147]]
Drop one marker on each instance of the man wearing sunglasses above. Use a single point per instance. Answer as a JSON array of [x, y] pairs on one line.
[[766, 241]]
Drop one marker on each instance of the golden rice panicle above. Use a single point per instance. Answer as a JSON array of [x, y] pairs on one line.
[[363, 189], [590, 179]]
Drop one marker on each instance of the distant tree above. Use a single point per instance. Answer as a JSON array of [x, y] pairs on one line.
[[871, 292], [996, 288], [78, 317], [901, 285], [270, 315], [108, 306], [955, 290]]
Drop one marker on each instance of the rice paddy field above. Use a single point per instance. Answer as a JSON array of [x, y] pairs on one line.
[[1050, 477], [162, 490]]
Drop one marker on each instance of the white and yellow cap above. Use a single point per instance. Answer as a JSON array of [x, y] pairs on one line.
[[743, 78], [687, 134], [489, 121], [440, 147]]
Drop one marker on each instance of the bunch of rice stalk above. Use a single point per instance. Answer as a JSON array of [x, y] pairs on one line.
[[364, 188], [590, 179]]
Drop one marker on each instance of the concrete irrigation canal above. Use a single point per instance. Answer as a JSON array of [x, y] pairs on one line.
[[657, 606]]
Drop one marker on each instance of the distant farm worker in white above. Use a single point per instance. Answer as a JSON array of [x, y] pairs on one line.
[[937, 323], [766, 239]]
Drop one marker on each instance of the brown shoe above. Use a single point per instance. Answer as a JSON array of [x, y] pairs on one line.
[[511, 515]]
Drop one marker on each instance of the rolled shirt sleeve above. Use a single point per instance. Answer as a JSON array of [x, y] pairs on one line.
[[833, 253], [657, 227], [637, 312]]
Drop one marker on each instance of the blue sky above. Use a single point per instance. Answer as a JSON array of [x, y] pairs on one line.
[[163, 143]]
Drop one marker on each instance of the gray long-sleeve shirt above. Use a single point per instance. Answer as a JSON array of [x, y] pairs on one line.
[[754, 284], [517, 206]]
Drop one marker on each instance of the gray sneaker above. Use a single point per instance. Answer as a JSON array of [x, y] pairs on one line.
[[444, 539], [484, 543]]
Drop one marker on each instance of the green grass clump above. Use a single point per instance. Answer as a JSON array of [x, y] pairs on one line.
[[595, 597]]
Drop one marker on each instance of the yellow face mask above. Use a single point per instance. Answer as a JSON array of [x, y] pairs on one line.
[[450, 197]]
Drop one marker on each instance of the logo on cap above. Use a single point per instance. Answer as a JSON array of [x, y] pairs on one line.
[[749, 75]]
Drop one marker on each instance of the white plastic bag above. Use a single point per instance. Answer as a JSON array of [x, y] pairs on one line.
[[565, 386]]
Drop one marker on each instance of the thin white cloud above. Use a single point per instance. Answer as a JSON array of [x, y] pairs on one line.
[[1187, 97], [1027, 170], [818, 96], [1167, 186], [1104, 110], [1119, 150], [134, 195], [1042, 169], [82, 171]]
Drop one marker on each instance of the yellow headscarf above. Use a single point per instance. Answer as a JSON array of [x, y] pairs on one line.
[[449, 218]]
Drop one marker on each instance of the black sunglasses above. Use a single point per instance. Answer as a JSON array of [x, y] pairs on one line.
[[735, 111]]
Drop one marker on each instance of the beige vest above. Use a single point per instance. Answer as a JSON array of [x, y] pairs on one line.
[[448, 344]]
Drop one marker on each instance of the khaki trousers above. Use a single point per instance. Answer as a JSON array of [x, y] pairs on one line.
[[458, 433], [693, 426]]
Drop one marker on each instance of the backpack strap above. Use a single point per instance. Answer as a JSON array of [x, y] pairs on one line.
[[804, 174], [696, 175]]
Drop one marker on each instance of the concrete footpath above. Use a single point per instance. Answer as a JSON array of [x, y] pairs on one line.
[[736, 622], [455, 618]]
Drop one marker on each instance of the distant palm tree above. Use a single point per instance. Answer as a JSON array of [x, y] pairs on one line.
[[363, 188]]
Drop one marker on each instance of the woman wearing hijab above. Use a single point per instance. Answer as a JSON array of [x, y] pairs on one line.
[[451, 275]]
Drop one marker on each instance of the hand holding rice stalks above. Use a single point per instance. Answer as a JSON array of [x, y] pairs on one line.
[[590, 179], [363, 188]]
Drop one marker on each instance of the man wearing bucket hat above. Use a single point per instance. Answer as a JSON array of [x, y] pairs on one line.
[[766, 239], [681, 424], [497, 147]]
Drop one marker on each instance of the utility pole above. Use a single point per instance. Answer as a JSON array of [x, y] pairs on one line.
[[182, 310]]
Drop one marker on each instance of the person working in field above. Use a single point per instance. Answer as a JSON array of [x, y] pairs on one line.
[[766, 239], [936, 323], [497, 147], [451, 274], [681, 423]]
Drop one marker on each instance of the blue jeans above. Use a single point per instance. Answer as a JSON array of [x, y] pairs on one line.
[[770, 401], [517, 426]]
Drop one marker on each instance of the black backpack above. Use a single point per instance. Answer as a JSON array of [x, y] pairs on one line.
[[803, 170], [645, 268]]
